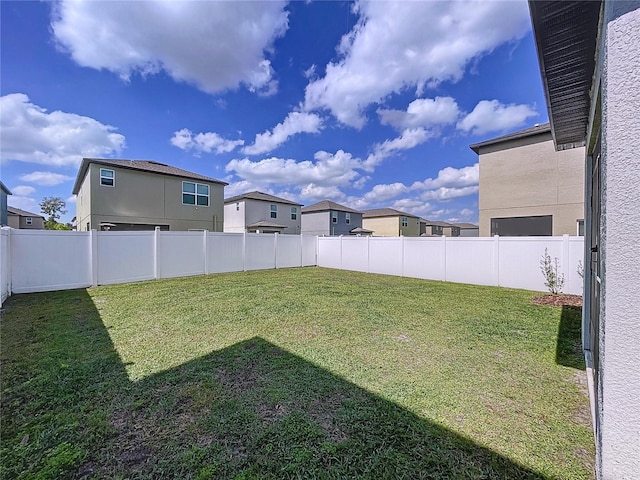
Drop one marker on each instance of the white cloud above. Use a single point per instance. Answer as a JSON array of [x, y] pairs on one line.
[[23, 190], [423, 112], [400, 45], [326, 170], [29, 134], [213, 45], [25, 203], [48, 179], [409, 139], [493, 116], [451, 177], [313, 193], [203, 142], [71, 199], [295, 122], [446, 193]]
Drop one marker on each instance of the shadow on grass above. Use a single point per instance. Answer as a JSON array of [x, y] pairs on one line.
[[569, 343], [252, 410]]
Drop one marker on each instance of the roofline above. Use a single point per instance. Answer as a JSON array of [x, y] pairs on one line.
[[4, 187], [244, 196], [397, 214], [84, 166], [540, 129]]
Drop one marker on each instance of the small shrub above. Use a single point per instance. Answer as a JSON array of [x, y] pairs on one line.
[[553, 280]]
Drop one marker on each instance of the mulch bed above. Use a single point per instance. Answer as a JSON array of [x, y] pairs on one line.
[[558, 300]]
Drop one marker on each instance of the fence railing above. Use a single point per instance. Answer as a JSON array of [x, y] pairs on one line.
[[499, 261], [46, 260]]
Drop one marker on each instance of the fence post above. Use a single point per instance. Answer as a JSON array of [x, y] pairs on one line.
[[244, 251], [565, 257], [206, 252], [443, 262], [341, 268], [496, 260], [301, 251], [368, 253], [156, 253], [402, 255], [93, 256], [275, 250], [10, 262]]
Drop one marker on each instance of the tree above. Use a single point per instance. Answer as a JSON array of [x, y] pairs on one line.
[[53, 208]]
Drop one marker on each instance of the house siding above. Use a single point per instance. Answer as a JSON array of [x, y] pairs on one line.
[[316, 223], [259, 210], [391, 226], [234, 217]]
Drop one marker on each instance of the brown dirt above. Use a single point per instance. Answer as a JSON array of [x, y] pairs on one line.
[[558, 300]]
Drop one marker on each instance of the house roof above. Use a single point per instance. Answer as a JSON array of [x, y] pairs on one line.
[[326, 205], [140, 165], [23, 213], [527, 132], [385, 212], [264, 223], [5, 189], [360, 230], [566, 34], [265, 197], [466, 225], [436, 223]]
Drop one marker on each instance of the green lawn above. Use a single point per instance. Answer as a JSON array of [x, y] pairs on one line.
[[298, 373]]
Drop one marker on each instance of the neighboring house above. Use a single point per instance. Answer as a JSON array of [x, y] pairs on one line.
[[24, 220], [388, 222], [4, 191], [432, 228], [258, 212], [141, 195], [589, 55], [467, 229], [330, 218], [527, 187]]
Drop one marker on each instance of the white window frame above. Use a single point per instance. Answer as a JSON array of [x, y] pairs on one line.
[[294, 213], [347, 218], [404, 221], [29, 220], [195, 194], [273, 211], [112, 177], [334, 217]]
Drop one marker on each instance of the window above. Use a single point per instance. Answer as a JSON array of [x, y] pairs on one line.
[[274, 211], [334, 217], [237, 206], [29, 221], [195, 194], [535, 226], [107, 177], [88, 226], [405, 221], [580, 228], [294, 213], [347, 218]]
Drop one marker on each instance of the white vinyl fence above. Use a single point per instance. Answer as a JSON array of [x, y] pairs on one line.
[[46, 260], [500, 261]]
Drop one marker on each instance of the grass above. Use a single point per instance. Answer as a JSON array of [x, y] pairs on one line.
[[298, 373]]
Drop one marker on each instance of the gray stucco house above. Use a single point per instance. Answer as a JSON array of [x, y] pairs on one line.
[[258, 212], [141, 195], [21, 219], [589, 54], [4, 191], [331, 218]]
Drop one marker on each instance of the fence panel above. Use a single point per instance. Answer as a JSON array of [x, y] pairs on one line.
[[520, 257], [226, 252], [181, 254], [385, 255], [260, 251], [46, 260], [576, 264], [329, 252], [5, 265], [470, 260], [309, 245], [423, 258], [125, 257], [355, 254], [289, 251]]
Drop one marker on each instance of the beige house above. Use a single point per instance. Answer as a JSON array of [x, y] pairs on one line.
[[18, 218], [388, 222], [529, 188], [258, 212], [433, 228], [141, 195]]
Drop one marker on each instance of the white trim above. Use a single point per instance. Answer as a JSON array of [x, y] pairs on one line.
[[113, 178], [196, 194]]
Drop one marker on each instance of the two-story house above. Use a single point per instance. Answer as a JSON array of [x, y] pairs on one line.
[[529, 188], [331, 218], [389, 222], [141, 195], [21, 219], [433, 228], [258, 212], [4, 191]]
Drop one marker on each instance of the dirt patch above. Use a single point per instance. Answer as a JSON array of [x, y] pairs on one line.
[[559, 300]]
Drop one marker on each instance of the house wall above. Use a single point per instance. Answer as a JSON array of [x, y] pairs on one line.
[[526, 177], [468, 232], [618, 442], [391, 226], [146, 198], [259, 210], [3, 208], [315, 223], [20, 221], [234, 217]]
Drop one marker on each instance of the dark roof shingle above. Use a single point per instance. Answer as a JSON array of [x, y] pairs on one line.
[[326, 205], [23, 213], [265, 197], [385, 212]]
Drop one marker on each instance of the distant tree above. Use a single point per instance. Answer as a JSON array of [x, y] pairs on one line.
[[53, 208]]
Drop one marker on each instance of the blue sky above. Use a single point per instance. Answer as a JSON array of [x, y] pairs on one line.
[[367, 104]]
